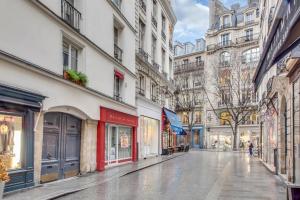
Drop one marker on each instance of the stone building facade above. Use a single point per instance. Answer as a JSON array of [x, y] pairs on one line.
[[155, 21], [231, 48], [277, 85]]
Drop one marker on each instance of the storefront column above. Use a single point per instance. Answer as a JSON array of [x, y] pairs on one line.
[[134, 146], [88, 146], [38, 146], [101, 146]]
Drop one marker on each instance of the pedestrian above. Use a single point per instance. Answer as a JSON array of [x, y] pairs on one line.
[[251, 149]]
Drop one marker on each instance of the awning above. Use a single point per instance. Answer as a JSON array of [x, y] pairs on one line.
[[119, 75], [175, 123]]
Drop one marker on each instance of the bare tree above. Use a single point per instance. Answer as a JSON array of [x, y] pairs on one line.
[[189, 95], [232, 88]]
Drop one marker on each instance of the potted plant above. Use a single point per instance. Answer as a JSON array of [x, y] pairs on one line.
[[3, 177], [76, 77]]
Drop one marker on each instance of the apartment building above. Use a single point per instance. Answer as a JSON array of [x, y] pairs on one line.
[[232, 50], [277, 85], [67, 87], [189, 65], [155, 21]]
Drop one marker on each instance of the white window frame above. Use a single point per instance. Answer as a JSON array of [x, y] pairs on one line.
[[70, 47]]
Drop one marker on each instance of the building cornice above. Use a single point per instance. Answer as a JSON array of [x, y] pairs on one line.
[[50, 74], [81, 36], [168, 8]]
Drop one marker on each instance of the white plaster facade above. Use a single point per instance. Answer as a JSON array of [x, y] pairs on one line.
[[31, 49]]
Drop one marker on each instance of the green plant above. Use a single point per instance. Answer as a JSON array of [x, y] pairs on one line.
[[83, 78], [73, 75]]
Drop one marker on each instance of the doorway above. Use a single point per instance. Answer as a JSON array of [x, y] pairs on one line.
[[61, 147]]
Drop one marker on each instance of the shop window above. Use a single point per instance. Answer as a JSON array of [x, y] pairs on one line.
[[124, 146], [11, 134], [251, 55], [197, 117]]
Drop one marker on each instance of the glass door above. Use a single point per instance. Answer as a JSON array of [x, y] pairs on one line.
[[112, 147]]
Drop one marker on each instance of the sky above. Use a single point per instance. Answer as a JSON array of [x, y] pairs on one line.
[[192, 18]]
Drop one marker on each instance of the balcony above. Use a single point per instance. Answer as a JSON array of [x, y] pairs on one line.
[[70, 14], [189, 67], [225, 26], [140, 91], [154, 98], [155, 65], [247, 38], [224, 44], [154, 21], [163, 35], [143, 55], [143, 5], [117, 97], [118, 53], [249, 22]]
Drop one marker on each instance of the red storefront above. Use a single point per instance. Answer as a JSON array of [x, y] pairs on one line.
[[116, 138]]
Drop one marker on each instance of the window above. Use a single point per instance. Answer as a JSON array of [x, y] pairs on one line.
[[153, 91], [198, 60], [225, 39], [163, 58], [153, 48], [142, 29], [225, 58], [163, 23], [70, 56], [251, 55], [185, 83], [11, 134], [141, 84], [118, 52], [185, 62], [225, 97], [224, 77], [226, 21], [185, 118], [249, 17], [117, 88], [198, 117], [249, 34], [225, 118]]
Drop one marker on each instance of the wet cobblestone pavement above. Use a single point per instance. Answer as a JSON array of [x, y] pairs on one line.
[[196, 175]]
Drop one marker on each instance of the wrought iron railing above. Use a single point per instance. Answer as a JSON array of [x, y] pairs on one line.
[[117, 97], [249, 22], [224, 26], [143, 5], [155, 65], [140, 91], [143, 55], [70, 14], [188, 67], [247, 38], [163, 35], [154, 21], [118, 53]]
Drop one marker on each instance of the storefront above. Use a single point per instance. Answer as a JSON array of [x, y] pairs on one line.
[[17, 122], [172, 132], [149, 136], [220, 142], [116, 138], [197, 137]]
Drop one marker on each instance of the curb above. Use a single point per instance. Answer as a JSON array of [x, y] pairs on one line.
[[70, 190]]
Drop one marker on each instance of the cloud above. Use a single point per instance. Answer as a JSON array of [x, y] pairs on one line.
[[192, 20]]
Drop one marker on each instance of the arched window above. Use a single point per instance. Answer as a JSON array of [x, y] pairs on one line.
[[225, 58], [251, 55]]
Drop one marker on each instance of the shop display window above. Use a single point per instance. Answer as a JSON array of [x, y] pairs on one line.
[[124, 146], [11, 130]]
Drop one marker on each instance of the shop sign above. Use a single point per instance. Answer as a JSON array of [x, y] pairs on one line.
[[124, 140]]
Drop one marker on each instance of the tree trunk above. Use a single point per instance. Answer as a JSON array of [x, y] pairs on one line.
[[235, 138]]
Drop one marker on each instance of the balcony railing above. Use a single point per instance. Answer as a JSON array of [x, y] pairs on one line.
[[226, 43], [224, 26], [143, 55], [118, 53], [154, 98], [117, 97], [70, 14], [140, 91], [143, 5], [154, 21], [189, 67], [247, 38], [249, 22], [163, 35], [155, 65]]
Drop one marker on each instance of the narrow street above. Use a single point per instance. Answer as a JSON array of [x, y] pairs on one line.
[[196, 175]]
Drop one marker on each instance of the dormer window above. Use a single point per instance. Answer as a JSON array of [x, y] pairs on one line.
[[226, 21], [249, 17]]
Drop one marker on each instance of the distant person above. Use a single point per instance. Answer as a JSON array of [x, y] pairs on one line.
[[251, 149]]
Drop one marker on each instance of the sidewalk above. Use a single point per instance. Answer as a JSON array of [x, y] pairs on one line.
[[63, 187]]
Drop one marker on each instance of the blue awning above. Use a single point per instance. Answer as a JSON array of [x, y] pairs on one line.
[[175, 122]]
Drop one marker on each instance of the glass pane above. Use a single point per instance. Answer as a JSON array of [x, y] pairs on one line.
[[11, 129], [74, 57], [65, 55], [124, 146]]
